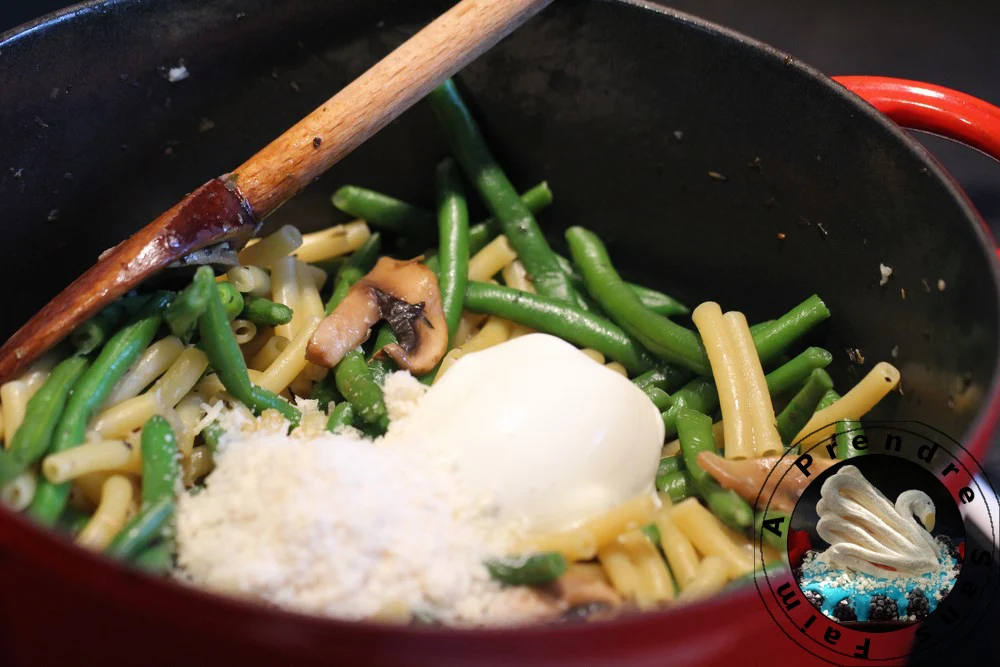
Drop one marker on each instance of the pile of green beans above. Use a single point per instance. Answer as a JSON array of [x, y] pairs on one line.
[[89, 393], [801, 407], [845, 430], [264, 312], [356, 384]]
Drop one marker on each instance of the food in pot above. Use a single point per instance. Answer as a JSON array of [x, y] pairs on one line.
[[451, 423]]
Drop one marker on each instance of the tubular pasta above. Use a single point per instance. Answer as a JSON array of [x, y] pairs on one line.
[[110, 516], [18, 493], [617, 368], [251, 280], [594, 354], [197, 465], [310, 305], [621, 572], [251, 348], [268, 250], [333, 241], [291, 361], [707, 535], [101, 456], [725, 369], [488, 262], [582, 543], [285, 290], [711, 577], [655, 585], [766, 441], [243, 330], [153, 363], [130, 415], [677, 548], [873, 387]]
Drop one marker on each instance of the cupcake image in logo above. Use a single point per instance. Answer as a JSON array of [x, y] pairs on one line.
[[876, 543]]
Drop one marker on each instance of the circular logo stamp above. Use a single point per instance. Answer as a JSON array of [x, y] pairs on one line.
[[875, 520]]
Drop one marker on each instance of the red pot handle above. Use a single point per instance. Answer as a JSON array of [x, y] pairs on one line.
[[935, 109]]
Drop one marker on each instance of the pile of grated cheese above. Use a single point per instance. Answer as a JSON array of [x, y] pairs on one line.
[[338, 525]]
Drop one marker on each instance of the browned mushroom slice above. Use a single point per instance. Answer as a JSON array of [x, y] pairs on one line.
[[406, 295], [748, 477]]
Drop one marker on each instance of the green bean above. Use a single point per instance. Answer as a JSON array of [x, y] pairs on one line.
[[265, 312], [774, 339], [699, 394], [663, 377], [226, 359], [342, 415], [668, 466], [769, 537], [232, 300], [677, 485], [382, 365], [534, 570], [93, 333], [156, 559], [664, 338], [42, 414], [559, 319], [725, 504], [536, 199], [516, 221], [182, 315], [325, 392], [793, 373], [355, 382], [652, 532], [660, 398], [142, 530], [212, 435], [802, 406], [846, 431], [354, 269], [160, 470], [330, 266], [658, 302], [88, 395], [694, 429], [382, 211], [453, 232]]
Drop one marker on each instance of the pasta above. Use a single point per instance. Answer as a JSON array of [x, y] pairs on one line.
[[719, 347], [766, 441], [494, 332], [677, 548], [583, 542], [111, 515], [873, 387], [100, 456], [285, 287], [291, 361], [251, 280], [195, 466], [706, 533], [310, 305], [333, 242], [130, 415], [711, 577], [244, 330], [268, 353], [624, 576], [271, 249], [617, 368], [489, 261], [594, 354], [17, 494], [14, 397], [153, 363], [655, 585]]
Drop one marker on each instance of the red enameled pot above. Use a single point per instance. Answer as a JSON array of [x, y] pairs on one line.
[[690, 148]]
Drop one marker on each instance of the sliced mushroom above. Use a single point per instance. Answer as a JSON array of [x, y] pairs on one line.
[[747, 478], [406, 295]]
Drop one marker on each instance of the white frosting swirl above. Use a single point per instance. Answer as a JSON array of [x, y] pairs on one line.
[[868, 534]]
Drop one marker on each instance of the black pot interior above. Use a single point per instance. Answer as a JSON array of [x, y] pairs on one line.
[[689, 151]]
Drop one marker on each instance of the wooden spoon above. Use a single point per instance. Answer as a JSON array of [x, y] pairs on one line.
[[230, 208]]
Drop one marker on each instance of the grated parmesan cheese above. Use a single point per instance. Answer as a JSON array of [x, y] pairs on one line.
[[343, 526]]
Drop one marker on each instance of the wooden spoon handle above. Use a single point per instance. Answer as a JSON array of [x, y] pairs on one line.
[[365, 106]]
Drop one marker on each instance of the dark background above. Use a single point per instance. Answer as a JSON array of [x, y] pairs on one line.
[[951, 44]]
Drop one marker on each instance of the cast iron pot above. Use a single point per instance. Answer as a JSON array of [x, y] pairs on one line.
[[714, 166]]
